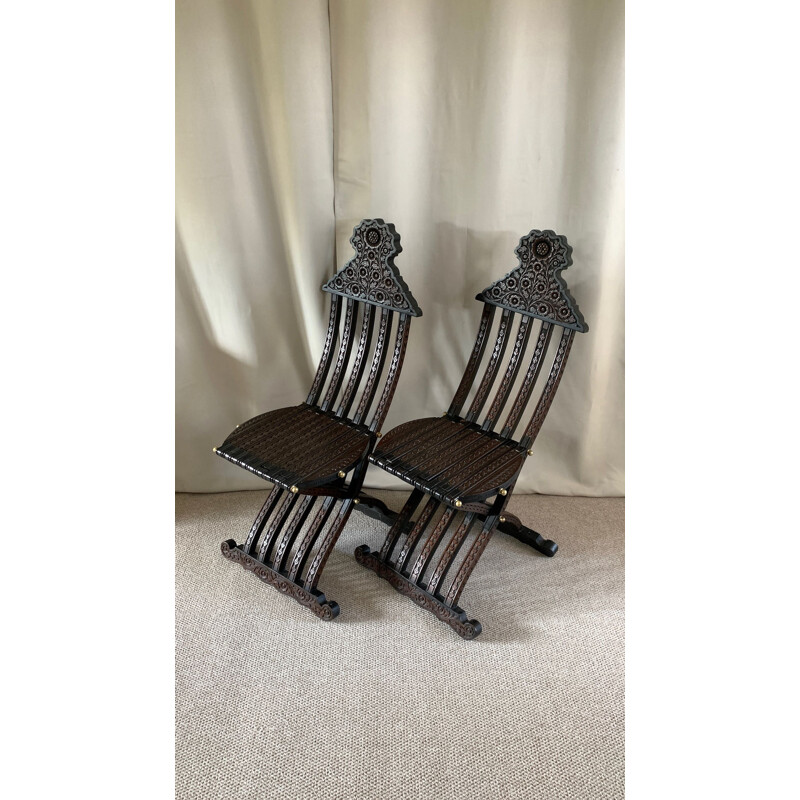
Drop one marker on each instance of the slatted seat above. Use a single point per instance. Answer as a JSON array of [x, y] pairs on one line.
[[316, 453], [450, 459], [298, 447], [466, 464]]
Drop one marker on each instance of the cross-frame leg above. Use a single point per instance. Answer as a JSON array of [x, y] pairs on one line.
[[510, 524], [375, 508], [412, 577], [274, 538], [393, 563], [274, 552]]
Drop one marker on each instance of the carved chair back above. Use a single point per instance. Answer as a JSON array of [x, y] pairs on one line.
[[533, 292], [367, 296]]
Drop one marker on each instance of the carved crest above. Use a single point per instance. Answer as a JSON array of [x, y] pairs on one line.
[[536, 287], [371, 276]]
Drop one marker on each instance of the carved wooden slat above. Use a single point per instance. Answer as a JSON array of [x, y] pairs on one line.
[[376, 367], [357, 370], [473, 554], [426, 553], [501, 396], [400, 524], [345, 348], [292, 529], [274, 526], [304, 550], [491, 369], [450, 553], [326, 545], [524, 394], [549, 391], [401, 340], [258, 525], [288, 446], [327, 352], [417, 531], [474, 361]]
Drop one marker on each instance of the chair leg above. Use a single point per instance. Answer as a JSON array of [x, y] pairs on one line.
[[430, 536], [258, 525], [286, 520], [511, 525], [376, 509]]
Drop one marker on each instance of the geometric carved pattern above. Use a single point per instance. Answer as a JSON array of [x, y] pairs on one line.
[[371, 276], [536, 287]]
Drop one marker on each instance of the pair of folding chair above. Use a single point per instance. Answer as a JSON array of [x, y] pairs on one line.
[[466, 464]]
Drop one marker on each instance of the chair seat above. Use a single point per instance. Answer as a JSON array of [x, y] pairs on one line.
[[450, 459], [298, 446]]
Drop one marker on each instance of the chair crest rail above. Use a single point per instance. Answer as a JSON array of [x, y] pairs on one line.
[[536, 287], [371, 276]]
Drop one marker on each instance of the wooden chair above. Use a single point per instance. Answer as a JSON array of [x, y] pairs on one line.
[[316, 453], [467, 466]]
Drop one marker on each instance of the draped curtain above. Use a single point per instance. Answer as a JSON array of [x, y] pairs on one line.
[[466, 123]]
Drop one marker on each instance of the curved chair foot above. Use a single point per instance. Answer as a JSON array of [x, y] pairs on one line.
[[376, 509], [513, 527], [312, 599], [454, 616]]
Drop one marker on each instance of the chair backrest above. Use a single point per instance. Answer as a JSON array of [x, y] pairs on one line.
[[367, 287], [532, 293]]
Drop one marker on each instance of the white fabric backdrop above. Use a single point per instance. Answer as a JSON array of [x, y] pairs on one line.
[[466, 124]]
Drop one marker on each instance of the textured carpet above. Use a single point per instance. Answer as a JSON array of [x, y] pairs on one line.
[[386, 701]]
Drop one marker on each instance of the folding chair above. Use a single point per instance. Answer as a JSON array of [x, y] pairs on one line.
[[468, 468], [316, 453]]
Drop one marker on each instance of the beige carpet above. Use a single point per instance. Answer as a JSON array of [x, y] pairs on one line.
[[386, 701]]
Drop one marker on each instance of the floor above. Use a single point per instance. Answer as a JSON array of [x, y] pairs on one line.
[[386, 701]]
